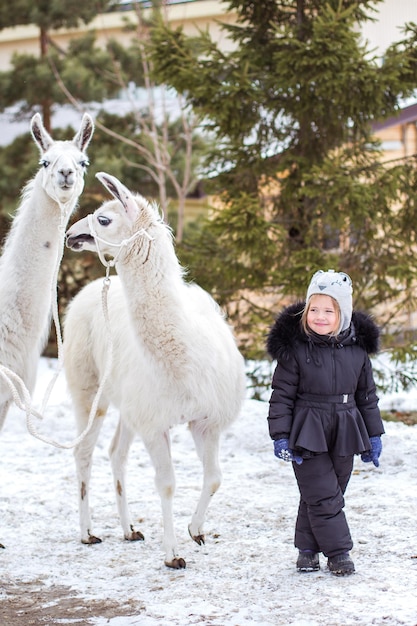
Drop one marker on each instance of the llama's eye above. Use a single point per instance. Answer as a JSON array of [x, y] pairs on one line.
[[85, 163], [103, 221], [44, 162]]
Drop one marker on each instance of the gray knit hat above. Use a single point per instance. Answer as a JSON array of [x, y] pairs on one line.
[[338, 285]]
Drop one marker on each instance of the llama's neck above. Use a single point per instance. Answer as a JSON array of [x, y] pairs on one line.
[[154, 287], [29, 261]]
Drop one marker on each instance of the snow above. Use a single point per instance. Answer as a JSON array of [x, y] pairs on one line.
[[245, 573]]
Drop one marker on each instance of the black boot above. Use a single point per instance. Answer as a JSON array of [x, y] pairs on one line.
[[308, 561], [341, 564]]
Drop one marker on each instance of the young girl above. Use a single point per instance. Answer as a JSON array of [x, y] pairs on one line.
[[323, 411]]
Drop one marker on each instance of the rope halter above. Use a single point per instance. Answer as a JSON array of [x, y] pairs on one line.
[[120, 245]]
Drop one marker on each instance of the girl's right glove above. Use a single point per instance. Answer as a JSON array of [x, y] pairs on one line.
[[282, 451], [374, 453]]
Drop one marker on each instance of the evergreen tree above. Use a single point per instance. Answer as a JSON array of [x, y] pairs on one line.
[[301, 176]]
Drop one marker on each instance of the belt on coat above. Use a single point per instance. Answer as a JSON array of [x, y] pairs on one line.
[[341, 398]]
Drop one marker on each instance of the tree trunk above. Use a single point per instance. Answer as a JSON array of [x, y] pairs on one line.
[[45, 103]]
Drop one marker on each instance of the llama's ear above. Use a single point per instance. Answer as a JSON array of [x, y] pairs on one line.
[[83, 137], [39, 134], [120, 192]]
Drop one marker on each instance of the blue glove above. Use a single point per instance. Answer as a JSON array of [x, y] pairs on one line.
[[283, 452], [374, 453]]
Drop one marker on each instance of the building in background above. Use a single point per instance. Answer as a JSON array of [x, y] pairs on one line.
[[192, 15], [398, 135]]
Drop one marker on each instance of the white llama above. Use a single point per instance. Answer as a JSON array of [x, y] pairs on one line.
[[175, 359], [31, 253]]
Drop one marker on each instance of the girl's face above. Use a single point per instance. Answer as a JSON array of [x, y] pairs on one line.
[[323, 315]]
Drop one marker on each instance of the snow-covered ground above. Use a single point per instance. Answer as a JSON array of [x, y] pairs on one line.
[[244, 575]]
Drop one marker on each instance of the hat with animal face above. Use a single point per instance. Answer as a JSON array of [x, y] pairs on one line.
[[338, 285]]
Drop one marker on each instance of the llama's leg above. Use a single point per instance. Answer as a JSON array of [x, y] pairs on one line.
[[3, 412], [207, 446], [119, 451], [83, 460], [159, 449]]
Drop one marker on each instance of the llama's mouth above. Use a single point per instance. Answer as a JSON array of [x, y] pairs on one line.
[[76, 242]]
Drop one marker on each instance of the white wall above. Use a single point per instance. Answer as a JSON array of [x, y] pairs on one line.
[[391, 16]]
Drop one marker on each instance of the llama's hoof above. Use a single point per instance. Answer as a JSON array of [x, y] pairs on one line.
[[176, 563], [91, 540], [200, 538], [135, 535]]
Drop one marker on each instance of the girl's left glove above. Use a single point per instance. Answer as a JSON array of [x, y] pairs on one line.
[[282, 451], [374, 453]]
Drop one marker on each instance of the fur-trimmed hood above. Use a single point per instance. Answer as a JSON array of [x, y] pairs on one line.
[[287, 331]]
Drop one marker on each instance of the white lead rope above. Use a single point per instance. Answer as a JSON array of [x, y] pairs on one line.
[[19, 391], [93, 411], [29, 411]]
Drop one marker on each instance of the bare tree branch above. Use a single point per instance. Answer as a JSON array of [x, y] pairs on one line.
[[155, 127]]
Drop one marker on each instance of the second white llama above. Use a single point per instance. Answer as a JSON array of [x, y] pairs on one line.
[[175, 359]]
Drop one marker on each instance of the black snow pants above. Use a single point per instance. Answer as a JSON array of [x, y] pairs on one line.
[[321, 523]]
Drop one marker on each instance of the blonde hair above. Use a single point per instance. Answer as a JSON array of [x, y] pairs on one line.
[[306, 309]]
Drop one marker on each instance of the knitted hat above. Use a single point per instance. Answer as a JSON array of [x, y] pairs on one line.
[[338, 285]]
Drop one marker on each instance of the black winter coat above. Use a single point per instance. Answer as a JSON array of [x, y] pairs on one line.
[[324, 395]]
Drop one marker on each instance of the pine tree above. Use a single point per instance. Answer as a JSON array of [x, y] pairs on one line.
[[298, 169]]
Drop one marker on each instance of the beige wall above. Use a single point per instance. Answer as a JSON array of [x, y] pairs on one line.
[[192, 16], [398, 141]]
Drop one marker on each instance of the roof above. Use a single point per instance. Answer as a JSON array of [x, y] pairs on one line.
[[405, 116]]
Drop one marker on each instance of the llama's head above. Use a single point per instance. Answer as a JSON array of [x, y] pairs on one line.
[[116, 223], [63, 163]]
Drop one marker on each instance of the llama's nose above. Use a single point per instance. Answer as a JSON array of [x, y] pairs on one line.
[[68, 175]]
